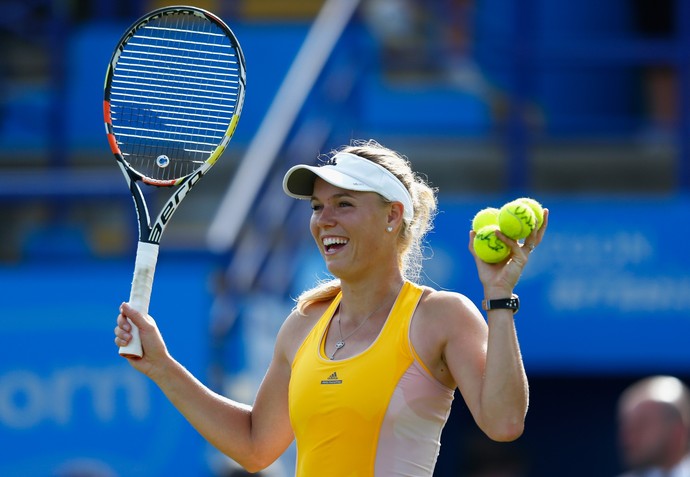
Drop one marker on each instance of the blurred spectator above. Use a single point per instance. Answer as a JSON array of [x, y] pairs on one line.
[[654, 20], [455, 20], [654, 428], [399, 27], [429, 40]]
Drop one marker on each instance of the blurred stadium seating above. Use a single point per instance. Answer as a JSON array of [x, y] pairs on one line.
[[546, 97]]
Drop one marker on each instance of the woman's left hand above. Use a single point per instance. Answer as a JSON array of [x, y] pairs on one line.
[[499, 279]]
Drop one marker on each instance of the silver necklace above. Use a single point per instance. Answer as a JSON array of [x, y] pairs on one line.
[[340, 344]]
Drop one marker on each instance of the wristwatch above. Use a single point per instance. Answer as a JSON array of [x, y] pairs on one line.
[[512, 303]]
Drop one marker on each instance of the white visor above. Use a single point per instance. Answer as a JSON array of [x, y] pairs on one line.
[[351, 172]]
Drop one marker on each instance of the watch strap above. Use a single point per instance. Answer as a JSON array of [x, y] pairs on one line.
[[512, 303]]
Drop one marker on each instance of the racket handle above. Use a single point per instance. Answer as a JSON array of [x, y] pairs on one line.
[[140, 295]]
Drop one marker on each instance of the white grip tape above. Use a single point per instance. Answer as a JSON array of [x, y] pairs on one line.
[[140, 294]]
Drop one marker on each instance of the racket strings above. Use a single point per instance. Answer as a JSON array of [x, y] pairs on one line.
[[174, 92]]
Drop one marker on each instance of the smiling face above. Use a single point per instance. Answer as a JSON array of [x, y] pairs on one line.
[[349, 228]]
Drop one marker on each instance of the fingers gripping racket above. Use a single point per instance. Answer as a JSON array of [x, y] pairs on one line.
[[174, 91]]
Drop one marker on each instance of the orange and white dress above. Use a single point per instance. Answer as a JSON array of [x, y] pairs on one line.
[[379, 413]]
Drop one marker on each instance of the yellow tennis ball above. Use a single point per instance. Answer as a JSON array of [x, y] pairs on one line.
[[516, 219], [536, 208], [488, 247], [487, 216]]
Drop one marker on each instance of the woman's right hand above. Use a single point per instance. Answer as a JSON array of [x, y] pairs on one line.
[[155, 351], [499, 279]]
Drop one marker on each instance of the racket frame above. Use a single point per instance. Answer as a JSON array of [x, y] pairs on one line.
[[149, 235]]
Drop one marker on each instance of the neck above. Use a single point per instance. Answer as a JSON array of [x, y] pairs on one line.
[[363, 299]]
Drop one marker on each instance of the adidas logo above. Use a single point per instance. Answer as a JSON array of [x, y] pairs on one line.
[[332, 379]]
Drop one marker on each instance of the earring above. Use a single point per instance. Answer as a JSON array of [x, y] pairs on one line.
[[389, 228]]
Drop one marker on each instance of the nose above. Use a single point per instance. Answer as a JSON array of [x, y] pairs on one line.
[[325, 217]]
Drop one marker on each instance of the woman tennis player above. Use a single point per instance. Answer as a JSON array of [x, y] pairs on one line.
[[366, 365]]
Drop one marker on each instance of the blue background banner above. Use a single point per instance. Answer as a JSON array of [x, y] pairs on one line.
[[607, 291], [67, 400]]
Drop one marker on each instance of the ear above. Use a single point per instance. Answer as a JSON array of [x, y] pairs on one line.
[[395, 215]]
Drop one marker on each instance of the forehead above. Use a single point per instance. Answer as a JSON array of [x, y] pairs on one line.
[[644, 410]]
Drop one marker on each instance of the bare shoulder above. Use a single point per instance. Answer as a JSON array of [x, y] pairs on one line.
[[443, 304], [445, 318], [296, 327]]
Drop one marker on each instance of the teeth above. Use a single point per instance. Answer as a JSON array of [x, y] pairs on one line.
[[328, 241]]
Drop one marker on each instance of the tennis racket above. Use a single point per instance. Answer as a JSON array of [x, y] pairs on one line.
[[174, 92]]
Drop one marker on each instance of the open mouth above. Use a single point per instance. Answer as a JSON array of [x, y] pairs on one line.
[[333, 244]]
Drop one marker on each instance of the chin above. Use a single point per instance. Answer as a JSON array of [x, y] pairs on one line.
[[336, 267], [334, 270]]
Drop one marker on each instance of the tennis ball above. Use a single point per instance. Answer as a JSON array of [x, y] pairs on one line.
[[536, 208], [487, 216], [488, 247], [516, 219]]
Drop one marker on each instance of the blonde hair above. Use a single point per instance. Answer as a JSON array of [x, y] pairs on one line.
[[411, 235]]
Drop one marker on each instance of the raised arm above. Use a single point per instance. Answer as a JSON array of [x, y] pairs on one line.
[[484, 357], [254, 436]]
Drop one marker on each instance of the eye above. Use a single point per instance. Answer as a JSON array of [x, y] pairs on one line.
[[316, 207], [344, 204]]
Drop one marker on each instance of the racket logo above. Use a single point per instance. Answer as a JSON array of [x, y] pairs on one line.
[[172, 204], [162, 161]]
